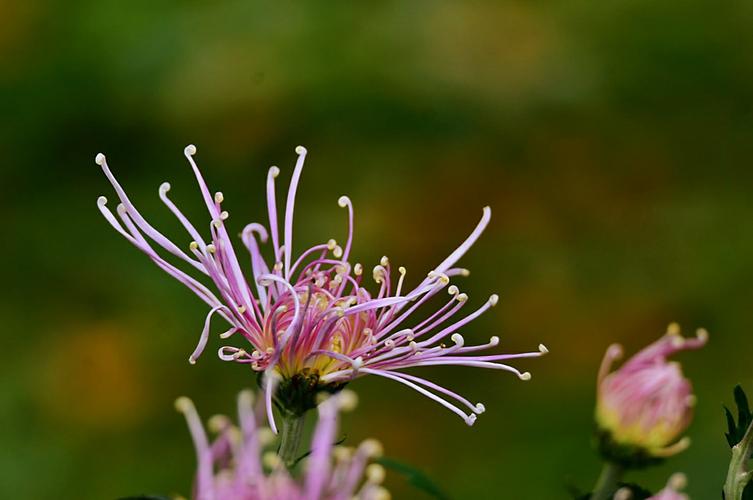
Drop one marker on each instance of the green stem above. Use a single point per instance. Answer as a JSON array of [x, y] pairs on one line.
[[606, 485], [290, 437], [738, 474]]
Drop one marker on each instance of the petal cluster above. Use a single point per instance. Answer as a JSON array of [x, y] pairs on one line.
[[239, 464], [309, 317], [647, 402]]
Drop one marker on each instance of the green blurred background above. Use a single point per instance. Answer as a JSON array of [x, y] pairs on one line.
[[612, 140]]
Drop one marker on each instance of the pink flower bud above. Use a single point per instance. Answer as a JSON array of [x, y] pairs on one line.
[[647, 403], [676, 483]]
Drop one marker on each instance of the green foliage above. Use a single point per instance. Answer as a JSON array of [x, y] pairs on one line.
[[415, 477], [736, 430]]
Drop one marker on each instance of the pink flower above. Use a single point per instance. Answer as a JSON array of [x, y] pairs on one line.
[[235, 466], [309, 321], [648, 403]]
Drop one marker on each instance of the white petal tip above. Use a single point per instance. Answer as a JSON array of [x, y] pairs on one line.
[[164, 187], [300, 150], [190, 150], [357, 363], [101, 201], [480, 408], [543, 349], [678, 481], [526, 376], [246, 397], [702, 334], [493, 300], [191, 360], [347, 400], [343, 201], [183, 404], [471, 419], [99, 159], [274, 171]]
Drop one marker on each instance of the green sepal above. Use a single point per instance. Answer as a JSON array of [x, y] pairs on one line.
[[627, 456], [298, 394]]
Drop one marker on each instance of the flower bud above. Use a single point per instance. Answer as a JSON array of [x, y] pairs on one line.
[[644, 407], [676, 483]]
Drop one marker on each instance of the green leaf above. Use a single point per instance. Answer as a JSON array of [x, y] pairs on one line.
[[736, 430], [415, 477]]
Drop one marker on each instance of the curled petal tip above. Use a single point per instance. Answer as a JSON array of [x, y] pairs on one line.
[[494, 299], [183, 404], [300, 150], [164, 187], [99, 159], [526, 376], [375, 473], [678, 481], [681, 445], [190, 150], [246, 397], [471, 419], [543, 349], [615, 351], [347, 400], [343, 201], [372, 448], [623, 494], [101, 201], [702, 334]]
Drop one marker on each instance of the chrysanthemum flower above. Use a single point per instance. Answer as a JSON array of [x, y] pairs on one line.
[[647, 403], [311, 323], [235, 466]]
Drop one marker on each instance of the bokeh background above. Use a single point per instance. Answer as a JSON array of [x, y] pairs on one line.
[[612, 139]]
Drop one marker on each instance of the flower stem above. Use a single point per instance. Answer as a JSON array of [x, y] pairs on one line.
[[739, 474], [290, 437], [606, 485]]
